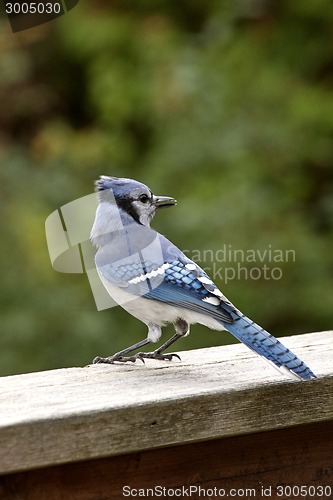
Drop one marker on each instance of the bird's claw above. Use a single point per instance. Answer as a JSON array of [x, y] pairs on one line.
[[158, 355], [112, 359]]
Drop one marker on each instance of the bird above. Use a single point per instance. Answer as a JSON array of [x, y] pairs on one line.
[[157, 283]]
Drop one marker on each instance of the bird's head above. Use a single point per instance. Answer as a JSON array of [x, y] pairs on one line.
[[135, 198]]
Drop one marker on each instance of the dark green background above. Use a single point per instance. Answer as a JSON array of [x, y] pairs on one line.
[[227, 106]]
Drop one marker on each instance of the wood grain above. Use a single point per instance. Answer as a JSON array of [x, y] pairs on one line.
[[287, 457], [77, 414]]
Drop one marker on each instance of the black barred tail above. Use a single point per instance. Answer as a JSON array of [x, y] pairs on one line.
[[264, 344]]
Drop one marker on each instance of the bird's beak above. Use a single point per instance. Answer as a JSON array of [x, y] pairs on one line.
[[164, 201]]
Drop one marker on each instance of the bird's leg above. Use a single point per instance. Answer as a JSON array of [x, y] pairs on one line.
[[182, 329], [121, 355]]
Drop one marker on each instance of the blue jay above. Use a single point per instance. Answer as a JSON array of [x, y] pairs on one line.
[[157, 283]]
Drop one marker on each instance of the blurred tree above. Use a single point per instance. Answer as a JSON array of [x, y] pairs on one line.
[[227, 106]]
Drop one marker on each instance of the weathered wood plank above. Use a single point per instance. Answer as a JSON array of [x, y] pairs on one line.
[[242, 466], [77, 414]]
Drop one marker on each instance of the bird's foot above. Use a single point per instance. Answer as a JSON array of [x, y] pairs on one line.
[[157, 355], [115, 358]]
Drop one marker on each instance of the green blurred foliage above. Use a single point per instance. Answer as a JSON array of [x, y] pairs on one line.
[[227, 106]]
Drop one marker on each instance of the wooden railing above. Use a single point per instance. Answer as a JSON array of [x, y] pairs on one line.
[[219, 420]]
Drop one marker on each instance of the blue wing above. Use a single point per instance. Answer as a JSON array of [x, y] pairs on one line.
[[191, 289]]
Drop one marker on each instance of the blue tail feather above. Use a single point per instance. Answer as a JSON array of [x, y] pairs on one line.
[[264, 344]]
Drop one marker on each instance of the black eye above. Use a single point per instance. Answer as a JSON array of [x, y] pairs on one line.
[[144, 198]]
